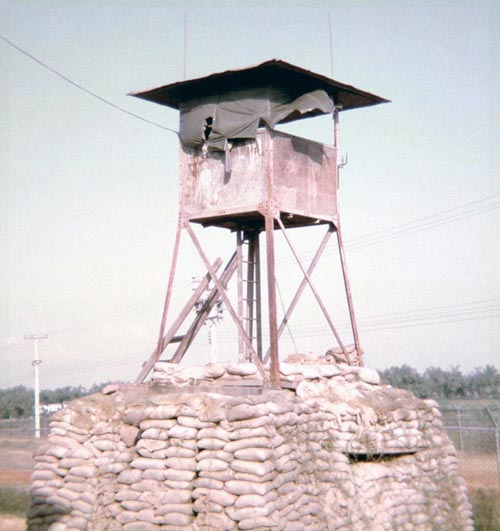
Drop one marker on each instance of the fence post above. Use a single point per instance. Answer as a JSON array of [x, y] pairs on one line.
[[496, 426], [460, 436]]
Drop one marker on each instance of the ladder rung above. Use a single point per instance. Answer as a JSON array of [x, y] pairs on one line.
[[176, 339]]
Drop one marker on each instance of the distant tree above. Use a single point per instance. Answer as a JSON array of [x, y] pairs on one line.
[[16, 402], [484, 382], [404, 377], [439, 383], [62, 394]]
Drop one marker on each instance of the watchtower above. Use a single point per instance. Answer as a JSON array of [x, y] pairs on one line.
[[238, 173]]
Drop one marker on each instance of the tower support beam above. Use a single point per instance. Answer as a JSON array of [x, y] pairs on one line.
[[227, 302], [169, 336], [314, 290], [271, 294], [350, 304], [302, 285]]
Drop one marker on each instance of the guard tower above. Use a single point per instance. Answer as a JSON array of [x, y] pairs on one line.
[[238, 173]]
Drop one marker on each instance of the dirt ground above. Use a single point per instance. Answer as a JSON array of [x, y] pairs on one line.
[[12, 523], [16, 464], [479, 471]]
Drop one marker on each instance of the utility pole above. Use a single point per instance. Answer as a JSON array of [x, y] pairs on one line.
[[36, 363]]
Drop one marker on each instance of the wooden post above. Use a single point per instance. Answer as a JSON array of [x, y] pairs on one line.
[[271, 289], [171, 277], [350, 304]]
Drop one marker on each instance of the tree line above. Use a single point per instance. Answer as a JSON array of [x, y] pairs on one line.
[[434, 382], [18, 401], [437, 383]]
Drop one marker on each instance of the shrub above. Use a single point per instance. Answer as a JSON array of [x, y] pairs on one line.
[[486, 507], [14, 500]]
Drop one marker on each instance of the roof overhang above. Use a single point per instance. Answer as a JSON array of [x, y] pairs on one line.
[[275, 73]]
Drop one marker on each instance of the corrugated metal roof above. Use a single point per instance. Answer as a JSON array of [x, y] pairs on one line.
[[275, 72]]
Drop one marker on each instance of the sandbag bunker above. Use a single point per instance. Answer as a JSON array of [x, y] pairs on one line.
[[207, 448]]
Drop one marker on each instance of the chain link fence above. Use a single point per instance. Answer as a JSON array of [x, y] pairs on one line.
[[23, 428], [475, 433]]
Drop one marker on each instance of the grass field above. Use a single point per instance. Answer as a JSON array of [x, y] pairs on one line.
[[16, 462]]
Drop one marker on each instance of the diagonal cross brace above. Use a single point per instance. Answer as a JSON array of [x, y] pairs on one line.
[[314, 290], [201, 316], [228, 304], [302, 285], [169, 336]]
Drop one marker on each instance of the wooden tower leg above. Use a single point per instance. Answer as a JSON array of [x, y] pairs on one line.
[[271, 286], [159, 348], [349, 296]]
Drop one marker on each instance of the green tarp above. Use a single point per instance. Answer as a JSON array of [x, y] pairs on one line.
[[237, 114]]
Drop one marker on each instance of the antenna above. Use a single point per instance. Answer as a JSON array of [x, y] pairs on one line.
[[185, 46], [331, 41]]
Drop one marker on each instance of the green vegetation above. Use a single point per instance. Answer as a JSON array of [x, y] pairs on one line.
[[437, 383], [434, 382], [486, 509], [14, 500], [17, 402]]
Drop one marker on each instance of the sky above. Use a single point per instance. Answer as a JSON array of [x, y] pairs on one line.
[[88, 193]]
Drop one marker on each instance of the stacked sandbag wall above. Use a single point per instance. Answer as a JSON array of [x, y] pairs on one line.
[[206, 450]]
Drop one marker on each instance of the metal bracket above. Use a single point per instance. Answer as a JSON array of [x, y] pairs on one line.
[[343, 161]]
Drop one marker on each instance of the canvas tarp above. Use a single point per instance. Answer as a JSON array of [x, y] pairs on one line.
[[237, 114]]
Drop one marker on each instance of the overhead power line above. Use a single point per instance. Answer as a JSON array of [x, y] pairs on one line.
[[451, 215], [458, 213], [82, 88], [436, 315], [429, 222], [476, 310]]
